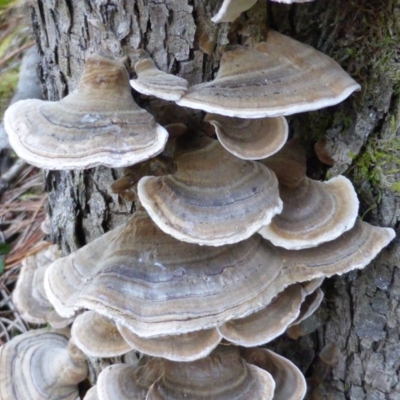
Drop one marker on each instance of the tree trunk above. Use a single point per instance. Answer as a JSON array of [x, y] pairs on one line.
[[360, 314]]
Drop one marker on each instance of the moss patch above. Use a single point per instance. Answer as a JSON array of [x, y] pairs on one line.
[[379, 162]]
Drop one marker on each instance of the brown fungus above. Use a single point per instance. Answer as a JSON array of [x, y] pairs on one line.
[[213, 198], [97, 336], [290, 383], [41, 365], [250, 139], [154, 82], [29, 296], [279, 77], [97, 124], [313, 212]]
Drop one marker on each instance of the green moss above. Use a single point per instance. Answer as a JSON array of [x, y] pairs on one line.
[[8, 83], [379, 163], [372, 28]]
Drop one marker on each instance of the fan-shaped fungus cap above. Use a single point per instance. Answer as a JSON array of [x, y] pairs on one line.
[[313, 212], [289, 381], [41, 365], [29, 296], [156, 285], [97, 336], [265, 325], [250, 139], [154, 82], [185, 347], [214, 198], [277, 77], [223, 375], [231, 9], [354, 249], [97, 124], [126, 382]]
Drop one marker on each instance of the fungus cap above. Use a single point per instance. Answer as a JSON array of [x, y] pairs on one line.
[[267, 324], [223, 375], [354, 249], [126, 382], [97, 336], [97, 124], [29, 296], [41, 365], [213, 198], [279, 77], [182, 348], [290, 382], [156, 285], [313, 212], [154, 82], [250, 139]]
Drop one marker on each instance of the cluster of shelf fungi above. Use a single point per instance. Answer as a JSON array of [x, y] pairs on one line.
[[228, 246]]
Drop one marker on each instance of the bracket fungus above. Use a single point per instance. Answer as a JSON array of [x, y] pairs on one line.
[[213, 198], [121, 381], [313, 212], [156, 285], [267, 324], [154, 82], [29, 296], [289, 381], [97, 336], [97, 124], [182, 348], [41, 365], [279, 77], [250, 139], [223, 374]]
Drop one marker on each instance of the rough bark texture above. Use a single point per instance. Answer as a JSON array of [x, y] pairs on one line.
[[361, 312]]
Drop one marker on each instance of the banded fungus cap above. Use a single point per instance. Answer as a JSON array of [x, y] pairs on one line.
[[290, 382], [161, 286], [182, 348], [154, 82], [279, 77], [313, 212], [267, 324], [213, 198], [354, 249], [223, 375], [97, 336], [41, 365], [250, 139], [122, 381], [97, 124], [29, 296]]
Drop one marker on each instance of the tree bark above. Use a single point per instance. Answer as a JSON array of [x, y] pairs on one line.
[[360, 314]]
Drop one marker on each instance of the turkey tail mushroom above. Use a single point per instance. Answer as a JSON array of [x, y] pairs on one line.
[[279, 77], [97, 124]]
